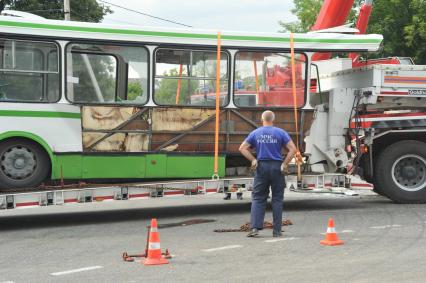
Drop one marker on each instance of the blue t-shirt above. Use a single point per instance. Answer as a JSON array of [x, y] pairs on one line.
[[268, 142]]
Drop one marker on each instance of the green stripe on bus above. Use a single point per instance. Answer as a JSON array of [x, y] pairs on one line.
[[186, 35], [39, 114]]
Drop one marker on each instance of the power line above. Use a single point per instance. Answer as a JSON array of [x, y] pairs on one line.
[[145, 14]]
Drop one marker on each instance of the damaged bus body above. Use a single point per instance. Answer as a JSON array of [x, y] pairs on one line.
[[84, 101]]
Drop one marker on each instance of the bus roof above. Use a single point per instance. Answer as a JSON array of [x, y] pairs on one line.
[[99, 31]]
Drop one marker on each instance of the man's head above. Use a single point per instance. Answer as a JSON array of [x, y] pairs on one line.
[[268, 118]]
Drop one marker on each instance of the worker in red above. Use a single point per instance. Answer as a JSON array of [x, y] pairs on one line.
[[269, 166]]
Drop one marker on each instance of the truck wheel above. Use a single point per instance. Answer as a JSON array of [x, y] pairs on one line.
[[401, 172], [23, 164]]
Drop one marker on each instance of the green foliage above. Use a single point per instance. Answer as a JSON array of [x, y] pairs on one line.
[[403, 26], [306, 11], [81, 10], [165, 92], [401, 22], [134, 90]]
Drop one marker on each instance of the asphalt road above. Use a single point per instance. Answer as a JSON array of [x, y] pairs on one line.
[[384, 242]]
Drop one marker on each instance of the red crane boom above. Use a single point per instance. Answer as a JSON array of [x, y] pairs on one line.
[[333, 13]]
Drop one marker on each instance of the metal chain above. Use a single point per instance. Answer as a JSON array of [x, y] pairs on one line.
[[246, 227]]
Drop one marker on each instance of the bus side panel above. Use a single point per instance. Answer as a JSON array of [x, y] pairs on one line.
[[67, 166], [59, 125], [156, 165], [125, 166], [76, 166], [193, 166]]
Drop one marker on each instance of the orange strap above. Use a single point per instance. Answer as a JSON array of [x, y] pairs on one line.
[[293, 80], [256, 78], [179, 84], [298, 156], [216, 134]]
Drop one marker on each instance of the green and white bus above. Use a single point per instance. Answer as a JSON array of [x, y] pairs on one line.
[[84, 101]]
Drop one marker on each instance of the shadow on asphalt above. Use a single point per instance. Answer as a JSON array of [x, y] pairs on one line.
[[22, 222]]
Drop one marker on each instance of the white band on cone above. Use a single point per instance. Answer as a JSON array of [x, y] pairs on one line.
[[154, 246], [331, 230], [154, 229]]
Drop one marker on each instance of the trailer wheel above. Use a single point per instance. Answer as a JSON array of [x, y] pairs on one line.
[[23, 164], [401, 172]]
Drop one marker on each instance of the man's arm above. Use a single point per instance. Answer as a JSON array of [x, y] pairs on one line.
[[245, 151], [291, 147]]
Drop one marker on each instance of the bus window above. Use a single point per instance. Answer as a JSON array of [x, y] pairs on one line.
[[188, 77], [107, 74], [94, 77], [29, 71], [265, 79]]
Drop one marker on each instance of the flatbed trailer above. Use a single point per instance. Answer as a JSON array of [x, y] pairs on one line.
[[319, 183]]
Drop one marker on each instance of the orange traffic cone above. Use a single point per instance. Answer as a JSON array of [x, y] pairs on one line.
[[331, 238], [154, 256]]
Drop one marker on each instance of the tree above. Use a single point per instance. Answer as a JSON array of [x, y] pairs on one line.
[[134, 90], [81, 10], [403, 26], [401, 22], [165, 92], [307, 12]]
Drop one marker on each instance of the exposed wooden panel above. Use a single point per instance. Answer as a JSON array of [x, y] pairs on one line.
[[136, 142], [113, 143], [177, 129], [132, 142], [178, 119], [105, 117]]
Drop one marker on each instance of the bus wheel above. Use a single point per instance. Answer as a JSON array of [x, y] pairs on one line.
[[23, 164], [401, 172]]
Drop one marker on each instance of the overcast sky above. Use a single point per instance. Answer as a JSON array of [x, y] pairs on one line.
[[246, 15]]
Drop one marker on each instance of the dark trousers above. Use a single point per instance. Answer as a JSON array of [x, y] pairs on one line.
[[268, 174]]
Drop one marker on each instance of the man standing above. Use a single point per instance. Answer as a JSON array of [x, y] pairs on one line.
[[269, 142]]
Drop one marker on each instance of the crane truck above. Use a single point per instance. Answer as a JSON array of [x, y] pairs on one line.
[[373, 111]]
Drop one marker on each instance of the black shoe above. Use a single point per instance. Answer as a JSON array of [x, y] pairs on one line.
[[227, 197], [277, 234], [239, 196], [253, 233]]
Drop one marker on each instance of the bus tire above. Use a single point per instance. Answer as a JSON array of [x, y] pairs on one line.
[[401, 172], [23, 164]]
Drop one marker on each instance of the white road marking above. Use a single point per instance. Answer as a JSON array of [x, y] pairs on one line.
[[379, 227], [222, 248], [347, 231], [76, 270], [385, 226], [281, 239], [7, 282]]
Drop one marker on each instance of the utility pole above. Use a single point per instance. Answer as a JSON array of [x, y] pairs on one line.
[[67, 10]]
